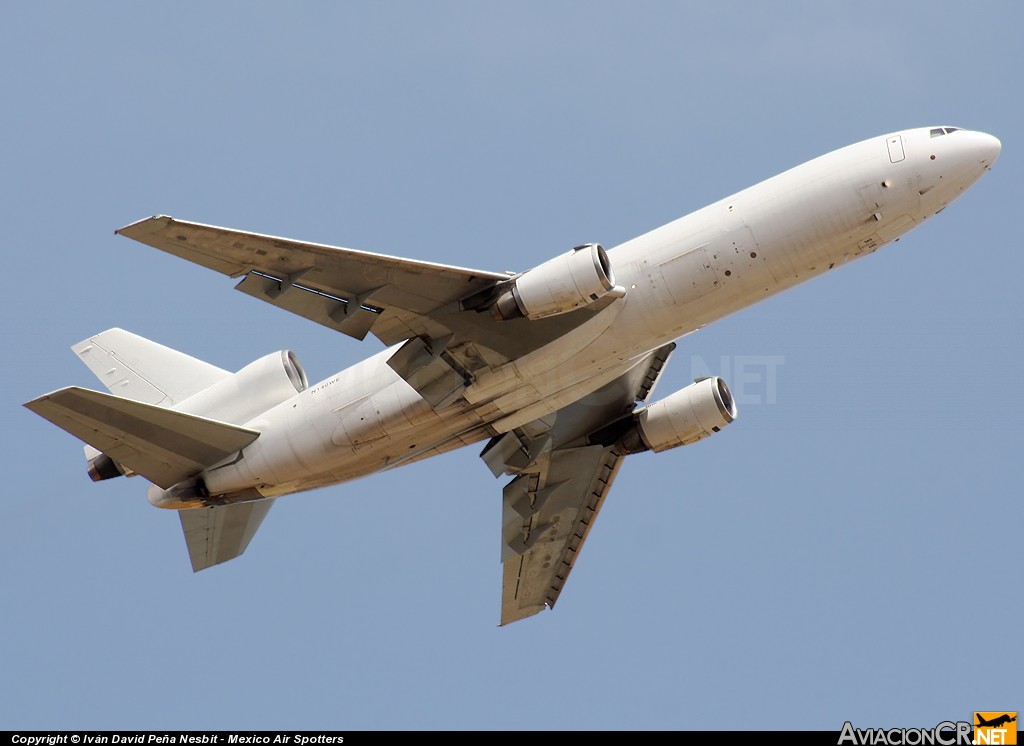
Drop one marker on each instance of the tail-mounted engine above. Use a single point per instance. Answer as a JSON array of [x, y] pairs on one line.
[[250, 392], [567, 282], [235, 399]]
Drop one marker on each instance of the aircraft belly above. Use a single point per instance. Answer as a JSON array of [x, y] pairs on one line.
[[337, 447], [569, 351], [394, 425]]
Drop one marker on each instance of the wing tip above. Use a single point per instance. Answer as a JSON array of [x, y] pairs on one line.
[[145, 226], [509, 616], [40, 401]]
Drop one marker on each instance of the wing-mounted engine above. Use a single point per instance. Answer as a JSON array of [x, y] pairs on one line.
[[560, 285], [441, 367], [682, 418]]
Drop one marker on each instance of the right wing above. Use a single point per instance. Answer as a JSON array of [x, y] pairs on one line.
[[215, 535], [546, 518], [162, 445], [565, 468]]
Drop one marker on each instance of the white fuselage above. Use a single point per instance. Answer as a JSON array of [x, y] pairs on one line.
[[678, 278]]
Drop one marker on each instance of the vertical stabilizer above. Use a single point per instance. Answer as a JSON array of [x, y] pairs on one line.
[[135, 368]]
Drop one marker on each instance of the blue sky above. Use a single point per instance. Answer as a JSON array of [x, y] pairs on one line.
[[849, 549]]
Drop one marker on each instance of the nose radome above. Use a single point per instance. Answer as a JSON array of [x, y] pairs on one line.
[[987, 148]]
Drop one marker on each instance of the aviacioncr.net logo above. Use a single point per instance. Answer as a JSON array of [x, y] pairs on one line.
[[995, 728], [946, 733]]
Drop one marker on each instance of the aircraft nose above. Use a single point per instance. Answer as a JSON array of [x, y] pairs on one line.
[[986, 148]]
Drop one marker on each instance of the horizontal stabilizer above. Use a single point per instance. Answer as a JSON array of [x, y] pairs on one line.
[[162, 445], [215, 535]]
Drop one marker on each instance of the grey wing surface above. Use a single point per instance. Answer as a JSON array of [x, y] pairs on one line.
[[356, 292], [562, 480], [546, 518], [162, 445], [217, 534]]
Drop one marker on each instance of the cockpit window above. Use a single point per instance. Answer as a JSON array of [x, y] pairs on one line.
[[940, 131], [951, 129]]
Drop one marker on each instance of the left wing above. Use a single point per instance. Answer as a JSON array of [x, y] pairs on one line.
[[565, 468], [359, 292], [217, 534], [345, 289]]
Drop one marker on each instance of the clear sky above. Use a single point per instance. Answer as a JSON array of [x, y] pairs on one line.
[[848, 549]]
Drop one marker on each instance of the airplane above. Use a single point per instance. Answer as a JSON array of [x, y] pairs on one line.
[[994, 722], [553, 367]]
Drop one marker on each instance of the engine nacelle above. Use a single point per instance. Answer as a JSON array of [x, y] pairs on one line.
[[565, 283], [251, 391], [688, 415]]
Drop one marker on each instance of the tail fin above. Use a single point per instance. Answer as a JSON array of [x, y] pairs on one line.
[[162, 445], [135, 368]]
